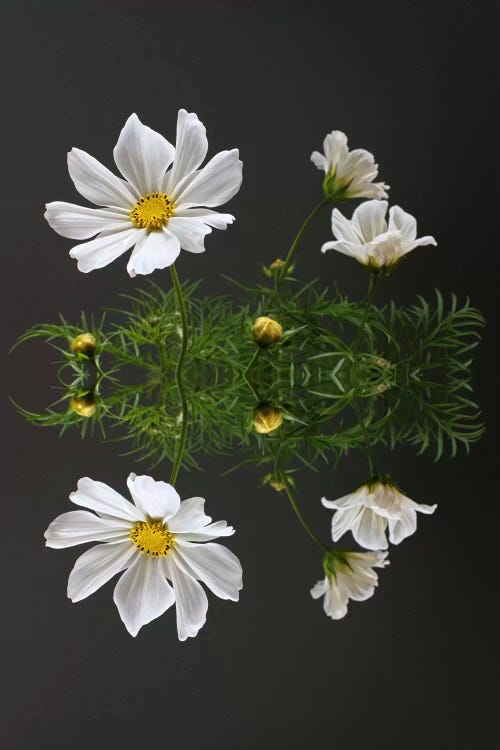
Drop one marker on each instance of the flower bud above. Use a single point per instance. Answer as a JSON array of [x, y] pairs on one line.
[[267, 331], [85, 343], [267, 419], [278, 486], [84, 406], [277, 264]]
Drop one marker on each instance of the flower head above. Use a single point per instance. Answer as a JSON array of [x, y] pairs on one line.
[[348, 575], [369, 239], [85, 343], [267, 331], [267, 419], [84, 406], [348, 174], [163, 545], [163, 204], [370, 510]]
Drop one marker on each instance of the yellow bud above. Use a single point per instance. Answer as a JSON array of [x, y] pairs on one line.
[[84, 406], [267, 331], [277, 264], [278, 486], [267, 419], [380, 388], [85, 343]]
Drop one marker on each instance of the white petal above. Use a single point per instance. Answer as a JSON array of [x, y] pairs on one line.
[[353, 500], [403, 222], [369, 219], [215, 565], [96, 183], [205, 534], [190, 233], [212, 218], [191, 147], [142, 594], [80, 527], [419, 507], [142, 155], [97, 566], [319, 588], [359, 586], [359, 252], [191, 601], [319, 161], [404, 527], [155, 499], [80, 223], [343, 229], [369, 530], [104, 249], [335, 601], [155, 250], [190, 516], [335, 148], [344, 520], [213, 185], [105, 501], [427, 240], [385, 249]]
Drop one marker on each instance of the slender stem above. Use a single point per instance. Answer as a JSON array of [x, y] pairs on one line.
[[368, 299], [372, 463], [298, 237], [254, 357], [301, 518], [178, 375]]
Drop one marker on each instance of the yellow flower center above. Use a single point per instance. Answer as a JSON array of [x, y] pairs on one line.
[[152, 211], [152, 538]]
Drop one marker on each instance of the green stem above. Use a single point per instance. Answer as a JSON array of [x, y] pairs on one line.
[[178, 375], [301, 518], [372, 463], [298, 237], [368, 299]]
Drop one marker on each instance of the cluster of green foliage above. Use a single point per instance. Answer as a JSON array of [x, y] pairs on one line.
[[341, 375]]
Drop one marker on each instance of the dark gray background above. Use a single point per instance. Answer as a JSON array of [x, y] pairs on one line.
[[413, 82]]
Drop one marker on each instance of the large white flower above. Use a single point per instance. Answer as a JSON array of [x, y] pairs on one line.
[[348, 575], [348, 174], [370, 510], [369, 239], [156, 209], [155, 539]]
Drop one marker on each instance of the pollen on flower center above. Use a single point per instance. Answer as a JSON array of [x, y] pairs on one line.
[[152, 211], [152, 538]]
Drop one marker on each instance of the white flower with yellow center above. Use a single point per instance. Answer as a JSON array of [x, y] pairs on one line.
[[370, 240], [157, 209], [348, 575], [370, 510], [155, 540], [348, 174]]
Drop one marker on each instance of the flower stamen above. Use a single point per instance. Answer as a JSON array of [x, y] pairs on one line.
[[153, 538], [152, 211]]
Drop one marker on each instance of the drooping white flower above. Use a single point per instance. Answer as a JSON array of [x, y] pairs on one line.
[[348, 575], [368, 238], [157, 209], [372, 508], [348, 174], [155, 539]]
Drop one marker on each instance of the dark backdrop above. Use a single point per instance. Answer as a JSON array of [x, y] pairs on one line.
[[414, 82]]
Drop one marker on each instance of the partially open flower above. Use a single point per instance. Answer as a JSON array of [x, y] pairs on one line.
[[85, 343], [267, 419], [267, 331], [84, 406]]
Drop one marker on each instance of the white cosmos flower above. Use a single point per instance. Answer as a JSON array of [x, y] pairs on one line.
[[155, 540], [348, 174], [157, 209], [370, 510], [369, 239], [348, 575]]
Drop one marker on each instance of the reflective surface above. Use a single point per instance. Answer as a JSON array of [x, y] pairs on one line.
[[272, 670]]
